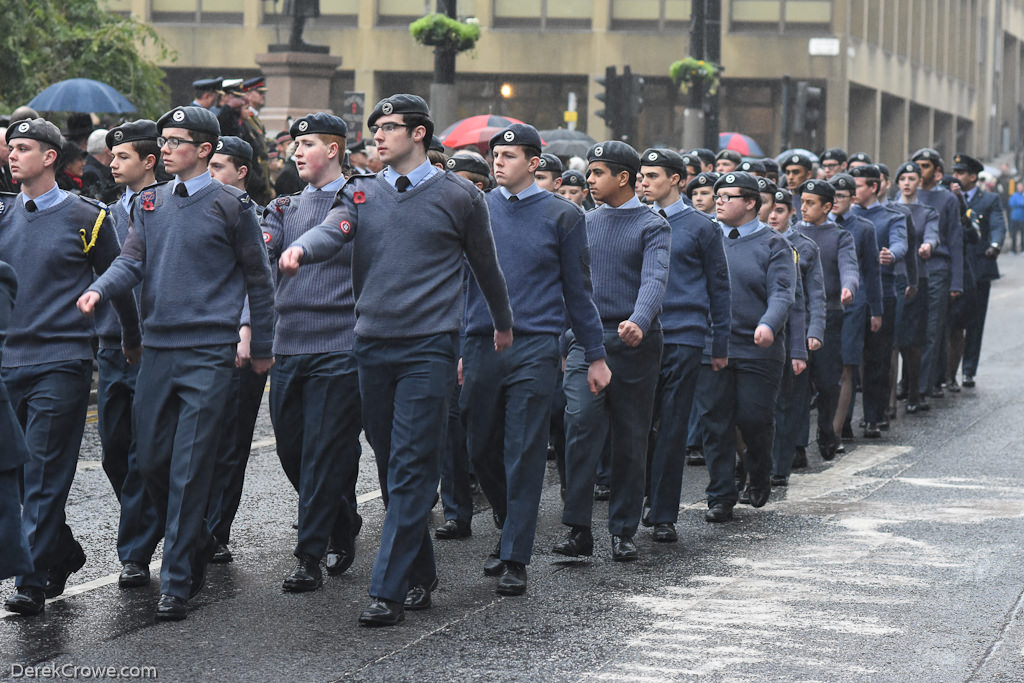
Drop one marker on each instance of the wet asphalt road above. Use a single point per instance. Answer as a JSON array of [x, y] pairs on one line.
[[901, 561]]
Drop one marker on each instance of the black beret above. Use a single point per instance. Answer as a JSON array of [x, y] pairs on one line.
[[319, 123], [729, 155], [36, 129], [797, 159], [928, 154], [190, 118], [766, 186], [884, 170], [256, 83], [665, 158], [752, 166], [843, 181], [962, 162], [468, 163], [869, 171], [860, 158], [740, 179], [822, 188], [783, 196], [705, 179], [208, 84], [234, 146], [143, 129], [908, 167], [359, 147], [549, 162], [572, 178], [704, 154], [435, 144], [834, 154], [690, 161], [399, 104], [615, 152], [949, 180], [770, 166], [521, 134]]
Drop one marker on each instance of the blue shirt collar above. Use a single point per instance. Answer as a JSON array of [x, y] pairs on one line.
[[528, 192], [126, 200], [331, 187], [193, 185], [745, 229], [675, 208], [51, 197], [415, 176], [632, 203]]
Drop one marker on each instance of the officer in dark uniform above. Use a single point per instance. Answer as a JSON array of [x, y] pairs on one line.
[[986, 209], [207, 93]]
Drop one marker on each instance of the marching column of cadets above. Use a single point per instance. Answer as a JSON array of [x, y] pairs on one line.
[[648, 313]]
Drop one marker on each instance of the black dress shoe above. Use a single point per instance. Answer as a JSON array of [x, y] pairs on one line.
[[579, 541], [27, 601], [602, 492], [744, 497], [884, 424], [779, 480], [222, 555], [923, 404], [200, 560], [418, 596], [358, 525], [694, 457], [623, 549], [840, 447], [936, 392], [871, 431], [720, 512], [338, 560], [665, 532], [912, 408], [170, 608], [759, 495], [645, 516], [493, 566], [968, 382], [952, 386], [827, 450], [800, 458], [305, 577], [382, 613], [57, 577], [133, 575], [513, 581], [453, 528]]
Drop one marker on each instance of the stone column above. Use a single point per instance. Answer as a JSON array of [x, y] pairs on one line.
[[297, 83]]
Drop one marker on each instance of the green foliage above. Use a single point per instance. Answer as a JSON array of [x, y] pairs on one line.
[[444, 32], [690, 72], [46, 41]]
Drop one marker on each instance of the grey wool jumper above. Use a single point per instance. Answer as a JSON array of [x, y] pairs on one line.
[[838, 257], [407, 254]]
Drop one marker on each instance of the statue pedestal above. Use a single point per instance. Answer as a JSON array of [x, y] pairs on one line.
[[297, 83]]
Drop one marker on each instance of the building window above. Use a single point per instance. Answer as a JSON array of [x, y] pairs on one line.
[[650, 15], [401, 13], [333, 12], [779, 16], [198, 11], [545, 15]]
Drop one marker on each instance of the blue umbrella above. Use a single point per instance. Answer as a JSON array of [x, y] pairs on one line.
[[82, 95]]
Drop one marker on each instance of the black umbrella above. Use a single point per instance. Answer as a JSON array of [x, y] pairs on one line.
[[563, 142]]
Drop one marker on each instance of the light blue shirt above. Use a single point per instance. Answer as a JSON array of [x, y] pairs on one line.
[[632, 203], [415, 176], [528, 192], [51, 197], [126, 200], [193, 185], [745, 229], [331, 187], [675, 208]]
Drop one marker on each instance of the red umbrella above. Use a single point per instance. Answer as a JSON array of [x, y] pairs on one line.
[[738, 142], [478, 139], [468, 131]]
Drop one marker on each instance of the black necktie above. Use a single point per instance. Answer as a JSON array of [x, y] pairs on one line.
[[663, 214], [30, 205], [734, 233], [513, 198], [402, 183], [181, 190]]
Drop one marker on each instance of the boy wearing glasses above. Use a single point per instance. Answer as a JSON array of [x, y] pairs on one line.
[[833, 161], [196, 247]]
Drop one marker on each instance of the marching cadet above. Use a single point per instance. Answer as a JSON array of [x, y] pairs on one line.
[[549, 173], [796, 169], [771, 171], [986, 209], [838, 257], [195, 277], [792, 412], [755, 168], [865, 313], [767, 189], [833, 161], [693, 167], [944, 254], [574, 188], [541, 241], [706, 158], [207, 93], [727, 160], [135, 155], [47, 356], [740, 391], [701, 191], [891, 239], [314, 398], [855, 160], [408, 294], [912, 316], [697, 303], [629, 246]]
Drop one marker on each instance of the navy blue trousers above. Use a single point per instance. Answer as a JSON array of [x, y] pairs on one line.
[[16, 557], [50, 400], [667, 445], [180, 399], [933, 361], [877, 364], [740, 395], [976, 328], [622, 410], [406, 386], [456, 493], [792, 410], [825, 368], [314, 405], [506, 404]]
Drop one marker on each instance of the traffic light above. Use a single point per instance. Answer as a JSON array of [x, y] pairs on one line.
[[612, 98], [632, 103], [808, 107]]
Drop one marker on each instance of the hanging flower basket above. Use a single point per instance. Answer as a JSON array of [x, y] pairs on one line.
[[441, 31], [691, 72]]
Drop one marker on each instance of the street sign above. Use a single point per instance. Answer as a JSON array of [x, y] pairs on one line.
[[352, 113]]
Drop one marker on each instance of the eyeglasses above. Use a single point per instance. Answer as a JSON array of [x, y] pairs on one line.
[[724, 198], [843, 195], [388, 128], [174, 143], [830, 165]]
